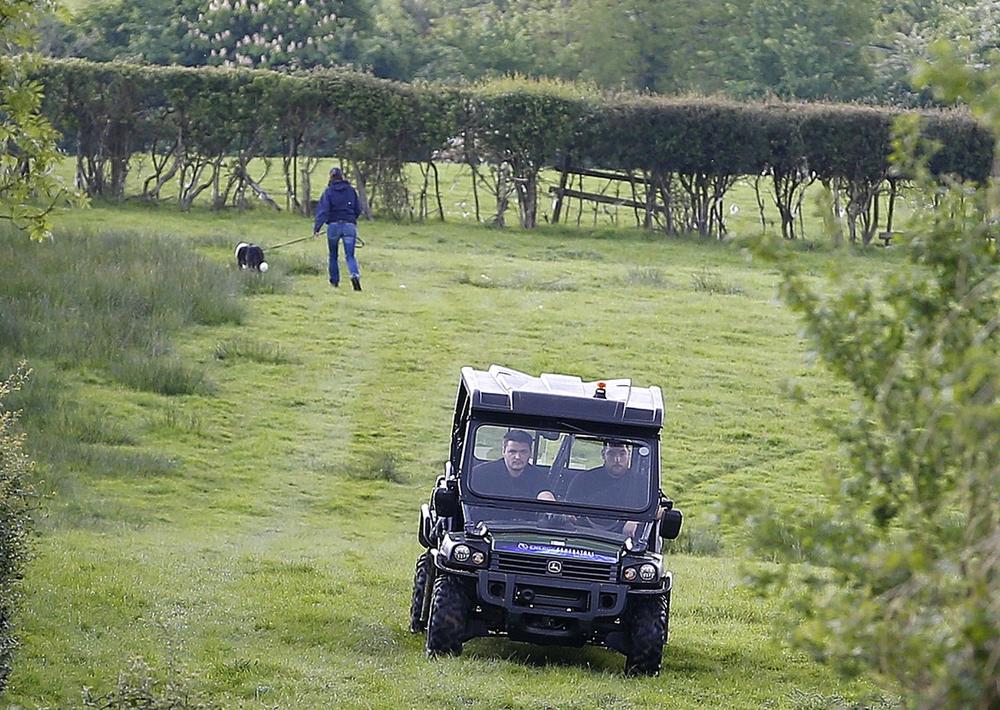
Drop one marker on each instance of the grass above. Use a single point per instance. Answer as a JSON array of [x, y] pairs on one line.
[[260, 531]]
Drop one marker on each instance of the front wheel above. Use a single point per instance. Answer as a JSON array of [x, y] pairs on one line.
[[418, 618], [446, 623], [648, 620]]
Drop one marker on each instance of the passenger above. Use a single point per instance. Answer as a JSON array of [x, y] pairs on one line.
[[512, 474]]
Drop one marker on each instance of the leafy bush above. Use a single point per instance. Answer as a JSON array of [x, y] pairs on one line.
[[15, 518], [902, 562]]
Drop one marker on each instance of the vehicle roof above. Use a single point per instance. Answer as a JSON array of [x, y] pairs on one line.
[[501, 389]]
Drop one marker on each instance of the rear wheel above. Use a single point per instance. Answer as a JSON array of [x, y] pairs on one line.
[[446, 623], [648, 619], [418, 618]]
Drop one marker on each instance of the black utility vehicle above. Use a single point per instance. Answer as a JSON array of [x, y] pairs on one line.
[[547, 525]]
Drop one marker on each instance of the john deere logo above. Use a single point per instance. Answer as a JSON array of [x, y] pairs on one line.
[[555, 567]]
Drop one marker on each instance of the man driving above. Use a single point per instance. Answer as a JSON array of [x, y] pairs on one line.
[[612, 483]]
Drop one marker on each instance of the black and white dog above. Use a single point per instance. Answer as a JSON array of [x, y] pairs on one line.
[[250, 256]]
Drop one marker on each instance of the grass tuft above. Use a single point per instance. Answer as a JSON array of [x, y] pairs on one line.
[[252, 350], [378, 466], [648, 276], [303, 266], [90, 425], [254, 283], [67, 459], [522, 281], [177, 420], [166, 375], [699, 542], [710, 281]]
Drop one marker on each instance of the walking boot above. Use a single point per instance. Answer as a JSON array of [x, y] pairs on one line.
[[356, 282]]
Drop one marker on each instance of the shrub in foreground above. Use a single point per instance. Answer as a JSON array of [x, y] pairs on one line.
[[15, 518]]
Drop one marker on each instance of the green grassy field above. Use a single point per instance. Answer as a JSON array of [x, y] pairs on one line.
[[255, 535]]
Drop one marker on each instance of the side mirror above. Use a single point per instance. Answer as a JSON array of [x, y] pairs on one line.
[[445, 502], [670, 524]]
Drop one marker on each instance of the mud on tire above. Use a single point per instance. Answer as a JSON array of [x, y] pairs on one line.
[[418, 624], [648, 618], [446, 623]]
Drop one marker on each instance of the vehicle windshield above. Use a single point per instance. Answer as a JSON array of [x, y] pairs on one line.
[[611, 475]]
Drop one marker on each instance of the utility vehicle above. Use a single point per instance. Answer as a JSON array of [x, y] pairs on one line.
[[564, 548]]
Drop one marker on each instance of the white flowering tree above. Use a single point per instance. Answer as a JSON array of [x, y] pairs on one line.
[[272, 33]]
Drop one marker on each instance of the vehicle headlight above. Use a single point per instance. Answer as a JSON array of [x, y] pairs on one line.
[[647, 572], [630, 574], [478, 558], [461, 553]]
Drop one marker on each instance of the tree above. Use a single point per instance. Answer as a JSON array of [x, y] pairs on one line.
[[248, 33], [901, 569], [28, 188], [272, 33], [802, 49], [649, 45]]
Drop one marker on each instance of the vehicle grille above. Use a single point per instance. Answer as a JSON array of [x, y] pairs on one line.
[[582, 570]]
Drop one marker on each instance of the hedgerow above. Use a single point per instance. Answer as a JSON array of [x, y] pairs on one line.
[[201, 127]]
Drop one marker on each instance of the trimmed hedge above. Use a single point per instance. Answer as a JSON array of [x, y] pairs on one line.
[[201, 116]]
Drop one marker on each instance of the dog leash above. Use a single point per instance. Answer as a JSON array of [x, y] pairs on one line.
[[294, 241], [358, 241]]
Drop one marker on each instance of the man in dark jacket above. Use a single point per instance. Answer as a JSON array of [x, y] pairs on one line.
[[614, 481], [338, 209], [513, 475]]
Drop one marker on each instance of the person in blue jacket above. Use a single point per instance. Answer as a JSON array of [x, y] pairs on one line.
[[339, 209]]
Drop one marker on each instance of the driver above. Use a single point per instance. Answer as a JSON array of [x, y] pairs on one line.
[[512, 474], [613, 482]]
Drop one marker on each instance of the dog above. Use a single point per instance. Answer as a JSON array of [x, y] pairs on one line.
[[250, 256]]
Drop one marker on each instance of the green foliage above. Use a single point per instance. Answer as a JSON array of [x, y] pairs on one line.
[[645, 45], [808, 49], [906, 550], [839, 50], [269, 33], [15, 516], [28, 190]]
